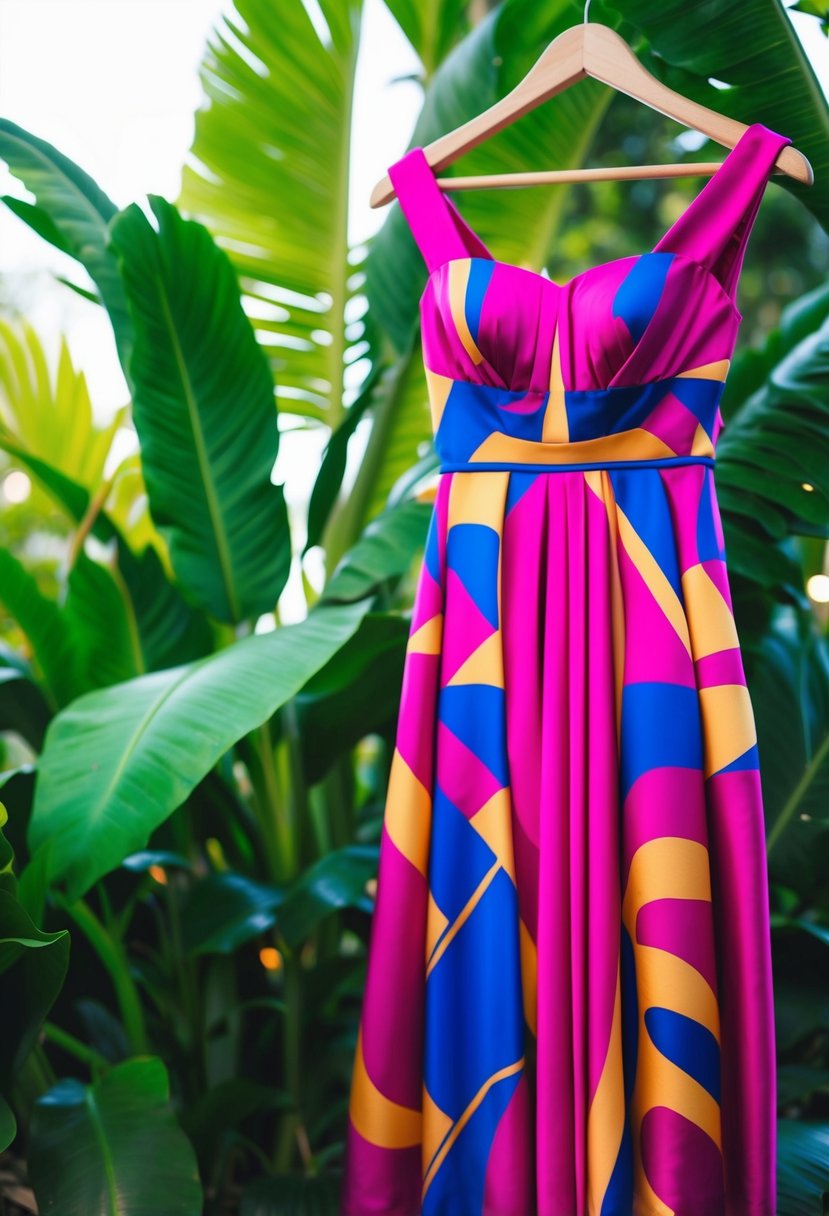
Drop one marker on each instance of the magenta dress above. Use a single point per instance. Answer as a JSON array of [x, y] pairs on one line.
[[568, 1008]]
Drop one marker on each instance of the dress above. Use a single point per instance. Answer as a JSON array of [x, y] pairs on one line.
[[568, 1005]]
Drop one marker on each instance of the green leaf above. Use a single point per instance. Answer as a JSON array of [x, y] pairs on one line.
[[41, 621], [105, 650], [171, 630], [802, 1167], [268, 173], [39, 221], [815, 8], [72, 212], [33, 884], [117, 762], [85, 643], [113, 1148], [18, 787], [6, 850], [337, 880], [204, 411], [401, 430]]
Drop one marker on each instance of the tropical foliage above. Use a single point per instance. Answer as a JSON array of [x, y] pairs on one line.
[[193, 785]]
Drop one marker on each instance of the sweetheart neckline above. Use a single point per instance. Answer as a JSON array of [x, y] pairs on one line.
[[708, 189], [563, 285]]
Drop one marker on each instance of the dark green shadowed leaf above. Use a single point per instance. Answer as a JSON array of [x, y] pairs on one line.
[[356, 694], [337, 880], [23, 708], [204, 410], [224, 911], [292, 1195], [223, 1107], [32, 970], [33, 967], [113, 1148]]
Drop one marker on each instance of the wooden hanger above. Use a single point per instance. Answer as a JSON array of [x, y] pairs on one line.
[[589, 49]]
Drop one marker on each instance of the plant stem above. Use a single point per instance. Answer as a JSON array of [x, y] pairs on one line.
[[274, 814], [295, 781], [110, 951], [292, 1055], [74, 1047], [190, 1007], [345, 523], [339, 788], [93, 510], [131, 618]]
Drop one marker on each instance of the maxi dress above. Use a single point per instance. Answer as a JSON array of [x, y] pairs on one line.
[[568, 1006]]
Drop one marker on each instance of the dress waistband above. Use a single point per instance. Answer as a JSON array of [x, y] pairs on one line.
[[479, 428], [474, 466]]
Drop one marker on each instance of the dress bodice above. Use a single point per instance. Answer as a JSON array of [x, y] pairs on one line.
[[638, 344]]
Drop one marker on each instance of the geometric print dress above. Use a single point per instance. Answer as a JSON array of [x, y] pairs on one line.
[[568, 1006]]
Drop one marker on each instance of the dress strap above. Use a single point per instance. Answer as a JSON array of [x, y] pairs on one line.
[[715, 228], [440, 231]]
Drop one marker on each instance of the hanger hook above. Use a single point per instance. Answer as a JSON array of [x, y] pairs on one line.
[[586, 7]]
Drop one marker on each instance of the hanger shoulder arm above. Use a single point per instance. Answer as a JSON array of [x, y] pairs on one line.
[[608, 58]]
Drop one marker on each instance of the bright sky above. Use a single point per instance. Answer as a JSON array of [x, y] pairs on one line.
[[113, 84]]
